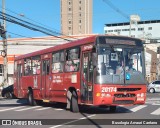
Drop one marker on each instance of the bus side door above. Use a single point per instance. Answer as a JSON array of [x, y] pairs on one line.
[[45, 78], [87, 78], [19, 80]]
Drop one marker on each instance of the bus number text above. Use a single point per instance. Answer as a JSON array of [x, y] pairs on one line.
[[109, 89]]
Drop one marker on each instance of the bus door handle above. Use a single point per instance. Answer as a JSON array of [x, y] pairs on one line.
[[42, 88], [65, 89]]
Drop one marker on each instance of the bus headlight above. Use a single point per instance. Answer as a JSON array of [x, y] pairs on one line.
[[98, 94], [142, 94]]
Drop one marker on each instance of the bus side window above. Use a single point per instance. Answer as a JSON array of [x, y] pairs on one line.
[[27, 66], [72, 60], [36, 65], [57, 62]]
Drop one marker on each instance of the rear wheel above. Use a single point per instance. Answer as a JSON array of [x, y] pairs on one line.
[[151, 90], [112, 108], [74, 102]]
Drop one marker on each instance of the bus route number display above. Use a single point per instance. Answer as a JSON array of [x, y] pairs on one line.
[[109, 89]]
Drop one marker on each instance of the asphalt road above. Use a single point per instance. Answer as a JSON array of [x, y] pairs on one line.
[[55, 115]]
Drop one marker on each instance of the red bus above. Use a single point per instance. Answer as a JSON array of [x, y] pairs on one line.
[[99, 70]]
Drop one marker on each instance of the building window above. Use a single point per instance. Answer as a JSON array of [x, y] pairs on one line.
[[117, 30], [69, 2], [79, 8], [110, 30], [80, 2], [140, 29], [79, 21], [125, 29], [133, 29], [69, 9], [150, 28], [69, 21]]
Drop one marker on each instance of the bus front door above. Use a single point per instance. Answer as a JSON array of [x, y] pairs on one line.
[[45, 79], [87, 78]]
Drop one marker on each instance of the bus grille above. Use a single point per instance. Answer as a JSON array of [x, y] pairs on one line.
[[124, 96], [123, 102], [128, 89]]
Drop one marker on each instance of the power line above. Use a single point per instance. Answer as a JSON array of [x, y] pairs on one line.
[[29, 25], [116, 9], [58, 33]]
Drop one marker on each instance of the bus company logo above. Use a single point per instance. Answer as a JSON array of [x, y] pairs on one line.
[[88, 47], [6, 122], [125, 93]]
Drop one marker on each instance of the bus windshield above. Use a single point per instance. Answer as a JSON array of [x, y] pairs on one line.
[[117, 65]]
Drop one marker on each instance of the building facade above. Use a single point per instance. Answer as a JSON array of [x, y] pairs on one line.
[[76, 17], [140, 29]]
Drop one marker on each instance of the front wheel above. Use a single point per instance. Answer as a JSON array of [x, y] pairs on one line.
[[74, 102], [31, 100]]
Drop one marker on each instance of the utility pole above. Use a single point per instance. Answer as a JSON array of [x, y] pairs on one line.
[[4, 51]]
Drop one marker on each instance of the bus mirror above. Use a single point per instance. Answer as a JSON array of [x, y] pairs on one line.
[[94, 59]]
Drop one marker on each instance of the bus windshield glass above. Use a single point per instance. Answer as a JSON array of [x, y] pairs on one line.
[[120, 65]]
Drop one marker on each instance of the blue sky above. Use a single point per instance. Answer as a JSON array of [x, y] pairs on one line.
[[47, 12]]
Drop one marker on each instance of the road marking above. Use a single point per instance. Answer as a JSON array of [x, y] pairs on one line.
[[138, 108], [148, 99], [73, 121], [155, 104], [11, 108], [156, 112], [43, 108], [28, 108], [58, 109]]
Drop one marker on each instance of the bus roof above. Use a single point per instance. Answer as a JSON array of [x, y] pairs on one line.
[[90, 39]]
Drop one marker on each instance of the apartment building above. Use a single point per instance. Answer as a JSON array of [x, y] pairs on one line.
[[76, 17]]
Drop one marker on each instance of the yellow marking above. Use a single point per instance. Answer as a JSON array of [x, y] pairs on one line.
[[46, 101]]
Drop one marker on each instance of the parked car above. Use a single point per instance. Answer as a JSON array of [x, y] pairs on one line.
[[154, 86], [7, 92]]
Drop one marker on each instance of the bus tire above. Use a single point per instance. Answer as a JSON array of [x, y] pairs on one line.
[[31, 100], [69, 95], [74, 102], [112, 109]]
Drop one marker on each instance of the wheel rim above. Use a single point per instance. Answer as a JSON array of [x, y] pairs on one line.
[[151, 90], [30, 98]]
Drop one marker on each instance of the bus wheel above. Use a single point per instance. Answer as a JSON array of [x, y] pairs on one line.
[[74, 102], [69, 94], [112, 108], [31, 100]]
